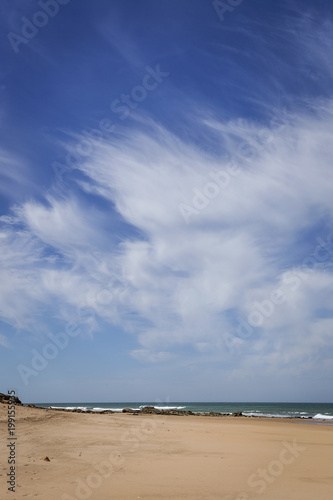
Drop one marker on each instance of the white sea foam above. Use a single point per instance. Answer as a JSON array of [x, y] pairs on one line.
[[165, 407], [121, 409], [140, 408], [114, 409], [170, 407], [268, 415], [319, 416], [83, 408]]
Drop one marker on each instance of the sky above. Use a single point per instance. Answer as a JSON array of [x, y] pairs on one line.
[[166, 208]]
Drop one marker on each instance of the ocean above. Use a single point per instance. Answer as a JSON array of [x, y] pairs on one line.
[[317, 411]]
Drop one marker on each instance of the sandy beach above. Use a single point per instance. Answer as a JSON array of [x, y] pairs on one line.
[[127, 457]]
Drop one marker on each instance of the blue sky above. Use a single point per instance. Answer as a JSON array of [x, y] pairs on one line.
[[166, 200]]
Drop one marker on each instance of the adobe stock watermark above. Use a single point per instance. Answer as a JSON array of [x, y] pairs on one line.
[[256, 143], [106, 294], [122, 106], [291, 281], [30, 27], [266, 476], [94, 480], [219, 180], [103, 297], [263, 477], [228, 6], [11, 445], [131, 440]]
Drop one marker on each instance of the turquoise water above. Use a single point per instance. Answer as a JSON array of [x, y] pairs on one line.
[[318, 411]]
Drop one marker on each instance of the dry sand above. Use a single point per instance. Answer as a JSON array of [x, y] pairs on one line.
[[127, 457]]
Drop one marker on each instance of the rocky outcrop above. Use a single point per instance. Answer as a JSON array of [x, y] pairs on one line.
[[99, 412], [147, 410], [4, 398], [151, 410]]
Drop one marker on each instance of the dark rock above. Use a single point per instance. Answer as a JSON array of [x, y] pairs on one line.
[[154, 411], [150, 410], [4, 398], [31, 406], [129, 410], [237, 414]]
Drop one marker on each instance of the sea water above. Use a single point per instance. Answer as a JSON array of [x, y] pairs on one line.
[[318, 411]]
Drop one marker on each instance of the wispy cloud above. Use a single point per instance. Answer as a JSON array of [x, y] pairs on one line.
[[118, 245], [186, 283], [4, 341]]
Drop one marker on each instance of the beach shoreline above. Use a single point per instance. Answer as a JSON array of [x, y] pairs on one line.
[[317, 411]]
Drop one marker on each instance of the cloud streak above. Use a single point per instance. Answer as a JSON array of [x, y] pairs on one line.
[[186, 284], [116, 251]]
